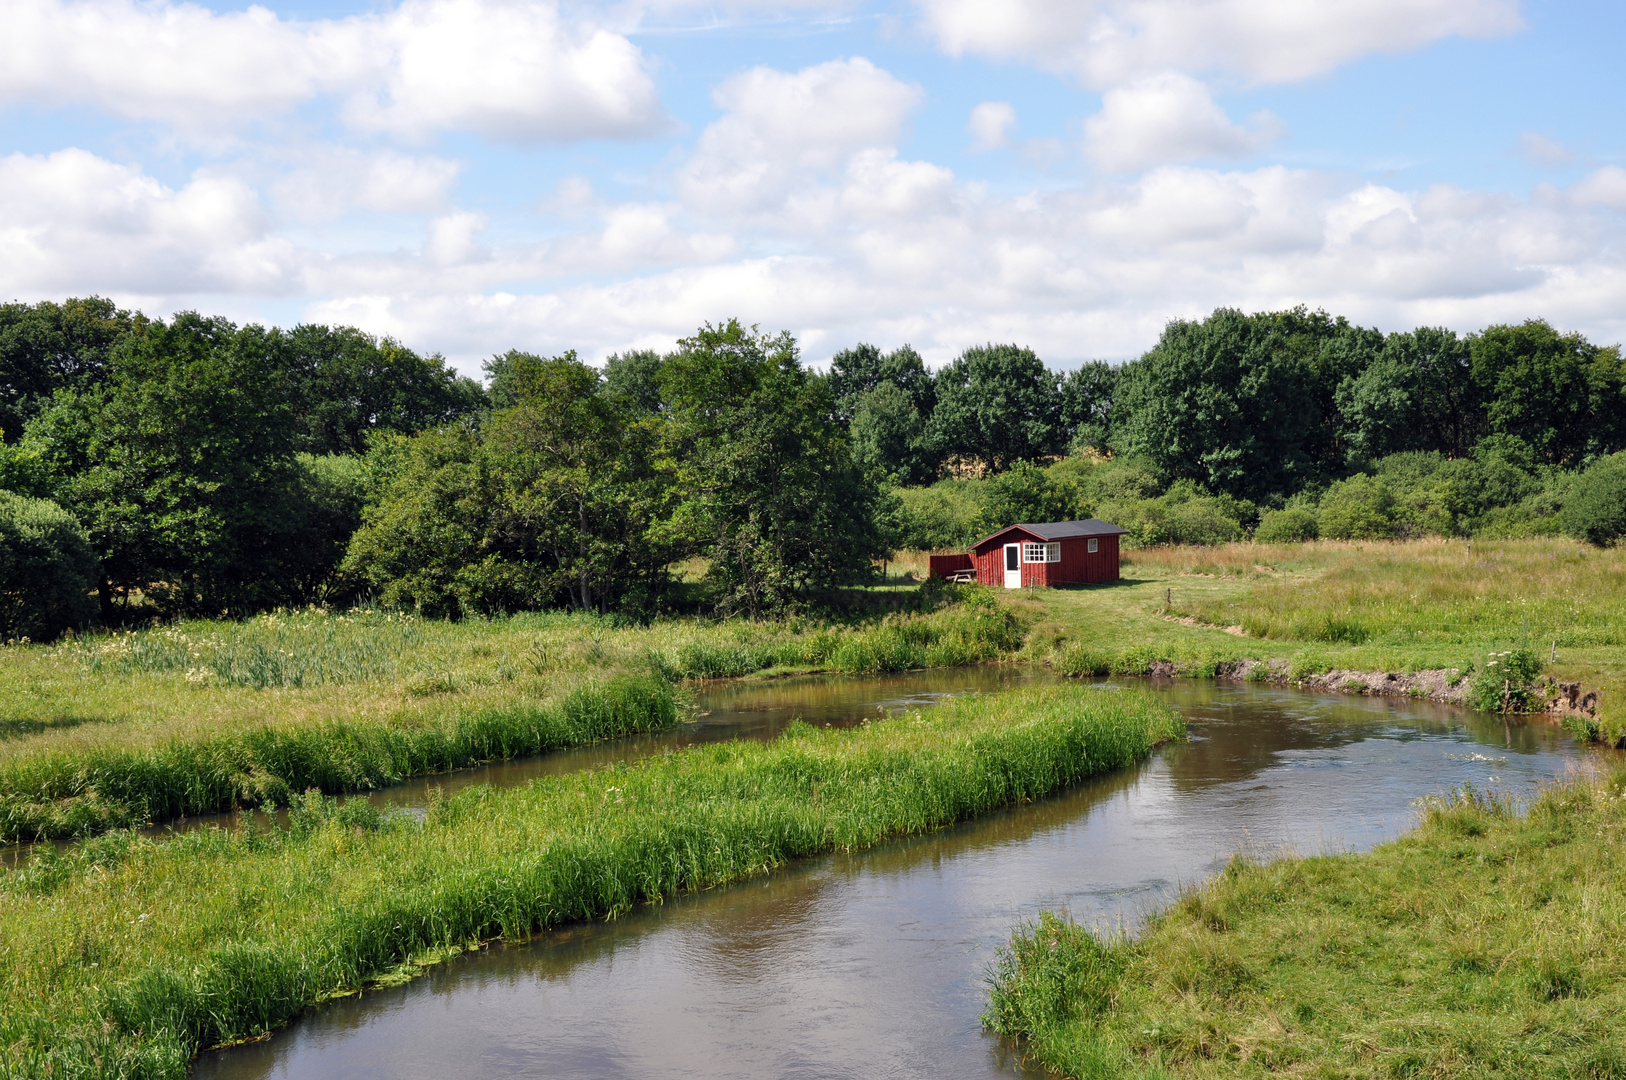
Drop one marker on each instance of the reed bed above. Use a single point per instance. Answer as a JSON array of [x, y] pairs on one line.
[[146, 726], [125, 956], [1487, 943]]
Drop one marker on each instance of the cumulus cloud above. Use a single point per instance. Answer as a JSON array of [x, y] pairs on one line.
[[990, 125], [1105, 42], [1167, 118], [782, 130], [329, 181], [74, 222], [508, 69], [1604, 187]]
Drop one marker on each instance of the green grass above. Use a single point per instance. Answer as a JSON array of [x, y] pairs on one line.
[[146, 726], [123, 956], [1378, 606], [1488, 943]]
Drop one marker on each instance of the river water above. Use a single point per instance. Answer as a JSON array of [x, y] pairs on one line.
[[874, 964]]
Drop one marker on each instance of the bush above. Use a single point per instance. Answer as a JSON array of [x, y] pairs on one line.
[[1596, 508], [1360, 508], [47, 570], [1502, 683], [1293, 526], [943, 516]]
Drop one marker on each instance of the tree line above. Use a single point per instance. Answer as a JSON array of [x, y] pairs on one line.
[[196, 467]]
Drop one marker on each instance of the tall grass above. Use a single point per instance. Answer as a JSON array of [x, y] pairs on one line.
[[125, 956], [64, 794], [1487, 943], [203, 716]]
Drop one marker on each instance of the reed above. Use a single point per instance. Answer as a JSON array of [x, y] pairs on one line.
[[1489, 942], [145, 726], [125, 955]]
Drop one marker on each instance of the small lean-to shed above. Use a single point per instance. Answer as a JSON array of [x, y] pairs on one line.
[[1048, 553]]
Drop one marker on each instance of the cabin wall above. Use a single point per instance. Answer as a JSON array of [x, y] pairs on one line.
[[944, 565]]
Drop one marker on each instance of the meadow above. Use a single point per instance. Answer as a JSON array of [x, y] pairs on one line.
[[144, 726], [1401, 606], [1489, 942], [124, 955]]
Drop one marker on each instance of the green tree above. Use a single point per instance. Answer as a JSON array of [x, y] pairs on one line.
[[1086, 405], [857, 372], [1560, 394], [1359, 508], [634, 378], [180, 465], [553, 501], [1234, 402], [1419, 394], [889, 434], [997, 404], [47, 347], [1595, 507], [344, 383], [768, 486], [1025, 493], [47, 570]]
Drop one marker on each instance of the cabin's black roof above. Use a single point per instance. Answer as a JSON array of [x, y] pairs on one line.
[[1060, 530]]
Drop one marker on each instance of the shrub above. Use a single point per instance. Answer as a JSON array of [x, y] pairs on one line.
[[1596, 508], [1293, 526], [1502, 683], [47, 570], [1360, 508]]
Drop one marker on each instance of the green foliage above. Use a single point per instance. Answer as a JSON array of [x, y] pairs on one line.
[[337, 904], [1182, 515], [1237, 403], [1595, 507], [997, 405], [765, 481], [557, 499], [1502, 682], [47, 570], [942, 517], [1086, 405], [889, 435], [1417, 394], [861, 370], [1360, 508], [1027, 493], [1558, 393], [46, 347], [633, 380], [1294, 525], [181, 466], [344, 384]]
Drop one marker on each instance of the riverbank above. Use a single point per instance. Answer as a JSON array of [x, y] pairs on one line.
[[1436, 615], [1491, 941], [125, 956], [140, 728]]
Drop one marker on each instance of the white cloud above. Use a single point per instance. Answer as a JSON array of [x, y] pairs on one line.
[[1538, 149], [74, 222], [1105, 42], [783, 130], [508, 69], [330, 180], [1167, 118], [1604, 187], [990, 125]]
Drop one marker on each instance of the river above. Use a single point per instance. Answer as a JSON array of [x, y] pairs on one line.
[[873, 964]]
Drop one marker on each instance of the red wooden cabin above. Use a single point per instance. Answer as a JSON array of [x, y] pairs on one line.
[[1049, 553]]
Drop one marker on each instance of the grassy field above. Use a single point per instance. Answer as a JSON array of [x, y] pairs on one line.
[[1379, 606], [1488, 943], [122, 956], [145, 726]]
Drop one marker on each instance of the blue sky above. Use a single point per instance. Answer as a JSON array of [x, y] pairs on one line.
[[475, 175]]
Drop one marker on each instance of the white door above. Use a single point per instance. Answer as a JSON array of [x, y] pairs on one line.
[[1013, 566]]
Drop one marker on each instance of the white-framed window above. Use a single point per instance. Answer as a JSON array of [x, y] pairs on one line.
[[1041, 553], [1093, 546]]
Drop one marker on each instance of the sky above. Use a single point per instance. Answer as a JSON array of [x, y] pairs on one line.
[[471, 176]]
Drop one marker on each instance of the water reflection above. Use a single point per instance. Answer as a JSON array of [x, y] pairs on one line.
[[872, 964]]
